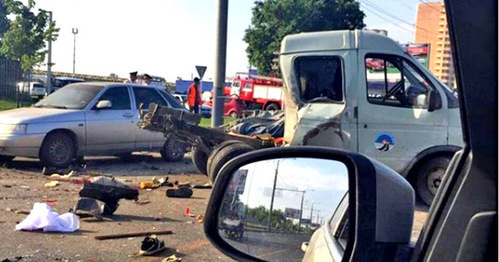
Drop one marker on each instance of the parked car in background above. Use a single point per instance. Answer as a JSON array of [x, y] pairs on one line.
[[91, 118], [34, 89], [205, 110], [60, 82], [233, 107]]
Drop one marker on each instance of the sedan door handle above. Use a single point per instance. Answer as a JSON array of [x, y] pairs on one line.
[[128, 114]]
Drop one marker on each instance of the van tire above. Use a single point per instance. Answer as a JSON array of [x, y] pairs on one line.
[[272, 107], [200, 160], [58, 150], [429, 177], [173, 151], [215, 151], [224, 155]]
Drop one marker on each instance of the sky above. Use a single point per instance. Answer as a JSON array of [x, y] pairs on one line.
[[325, 182], [169, 38]]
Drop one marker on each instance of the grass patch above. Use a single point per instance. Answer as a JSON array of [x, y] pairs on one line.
[[6, 104], [206, 122]]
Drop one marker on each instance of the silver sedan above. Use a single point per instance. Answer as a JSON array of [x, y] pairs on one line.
[[86, 119]]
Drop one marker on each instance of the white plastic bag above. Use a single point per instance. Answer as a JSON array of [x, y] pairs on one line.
[[42, 217]]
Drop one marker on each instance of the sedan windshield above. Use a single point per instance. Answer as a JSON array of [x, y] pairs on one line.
[[75, 96]]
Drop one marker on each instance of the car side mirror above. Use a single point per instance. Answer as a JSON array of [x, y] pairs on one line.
[[102, 104], [273, 204], [432, 101]]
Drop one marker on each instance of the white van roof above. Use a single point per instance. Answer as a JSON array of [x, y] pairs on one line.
[[338, 40]]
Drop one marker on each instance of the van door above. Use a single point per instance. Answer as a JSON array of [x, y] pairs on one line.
[[394, 123], [322, 83]]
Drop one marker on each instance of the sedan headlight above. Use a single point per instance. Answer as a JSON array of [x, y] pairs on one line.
[[13, 128]]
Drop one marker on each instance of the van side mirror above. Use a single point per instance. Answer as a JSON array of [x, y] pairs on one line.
[[433, 101], [275, 204], [102, 104]]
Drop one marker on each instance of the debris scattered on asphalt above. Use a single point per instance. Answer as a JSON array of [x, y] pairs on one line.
[[89, 207], [52, 184], [154, 183], [172, 258], [7, 186], [202, 186], [142, 202], [183, 192], [22, 212], [151, 245], [188, 213], [14, 259], [200, 218], [109, 191], [137, 234], [10, 209], [42, 217], [25, 187]]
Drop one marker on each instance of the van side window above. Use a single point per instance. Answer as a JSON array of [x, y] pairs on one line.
[[320, 78], [394, 81]]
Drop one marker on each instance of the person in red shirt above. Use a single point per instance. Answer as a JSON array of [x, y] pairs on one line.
[[194, 96]]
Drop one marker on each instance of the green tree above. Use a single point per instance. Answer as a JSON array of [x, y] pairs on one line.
[[274, 19], [27, 33]]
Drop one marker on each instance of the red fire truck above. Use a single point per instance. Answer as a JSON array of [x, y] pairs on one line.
[[255, 91]]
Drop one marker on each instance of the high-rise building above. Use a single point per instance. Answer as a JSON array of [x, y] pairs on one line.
[[431, 27]]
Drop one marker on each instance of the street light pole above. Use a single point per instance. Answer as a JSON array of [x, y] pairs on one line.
[[218, 103], [273, 194], [75, 32], [49, 59]]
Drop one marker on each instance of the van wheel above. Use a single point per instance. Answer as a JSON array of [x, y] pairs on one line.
[[173, 150], [430, 176], [200, 160], [58, 150], [272, 107], [224, 155]]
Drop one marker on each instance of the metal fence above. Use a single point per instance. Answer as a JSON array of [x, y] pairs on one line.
[[10, 74]]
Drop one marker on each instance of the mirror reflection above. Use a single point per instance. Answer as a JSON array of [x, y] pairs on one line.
[[272, 208]]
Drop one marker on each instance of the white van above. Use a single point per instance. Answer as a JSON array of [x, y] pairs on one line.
[[396, 111]]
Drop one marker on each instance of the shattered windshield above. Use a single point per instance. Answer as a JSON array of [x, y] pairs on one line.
[[320, 78]]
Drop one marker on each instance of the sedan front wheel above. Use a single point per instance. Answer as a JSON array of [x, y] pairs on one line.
[[57, 150]]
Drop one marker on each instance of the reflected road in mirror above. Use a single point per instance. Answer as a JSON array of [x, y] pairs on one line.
[[272, 206]]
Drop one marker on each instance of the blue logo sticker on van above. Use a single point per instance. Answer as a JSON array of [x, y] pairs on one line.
[[384, 142]]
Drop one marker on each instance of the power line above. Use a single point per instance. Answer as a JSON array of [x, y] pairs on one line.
[[429, 5], [389, 14], [374, 12]]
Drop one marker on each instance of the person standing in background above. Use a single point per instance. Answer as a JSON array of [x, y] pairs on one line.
[[194, 96], [133, 78]]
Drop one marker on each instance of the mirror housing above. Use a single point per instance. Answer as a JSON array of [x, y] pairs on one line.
[[433, 101], [379, 216], [103, 104]]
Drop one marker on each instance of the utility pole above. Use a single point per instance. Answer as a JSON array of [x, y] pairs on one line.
[[49, 59], [273, 194], [75, 32], [218, 103], [301, 210]]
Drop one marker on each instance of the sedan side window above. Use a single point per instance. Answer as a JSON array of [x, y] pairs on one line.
[[119, 98], [146, 96]]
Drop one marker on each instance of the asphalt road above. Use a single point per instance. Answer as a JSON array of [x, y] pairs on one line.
[[271, 246]]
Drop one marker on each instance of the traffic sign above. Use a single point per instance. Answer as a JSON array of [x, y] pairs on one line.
[[201, 70]]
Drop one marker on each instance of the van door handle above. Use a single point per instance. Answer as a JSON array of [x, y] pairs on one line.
[[128, 114]]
